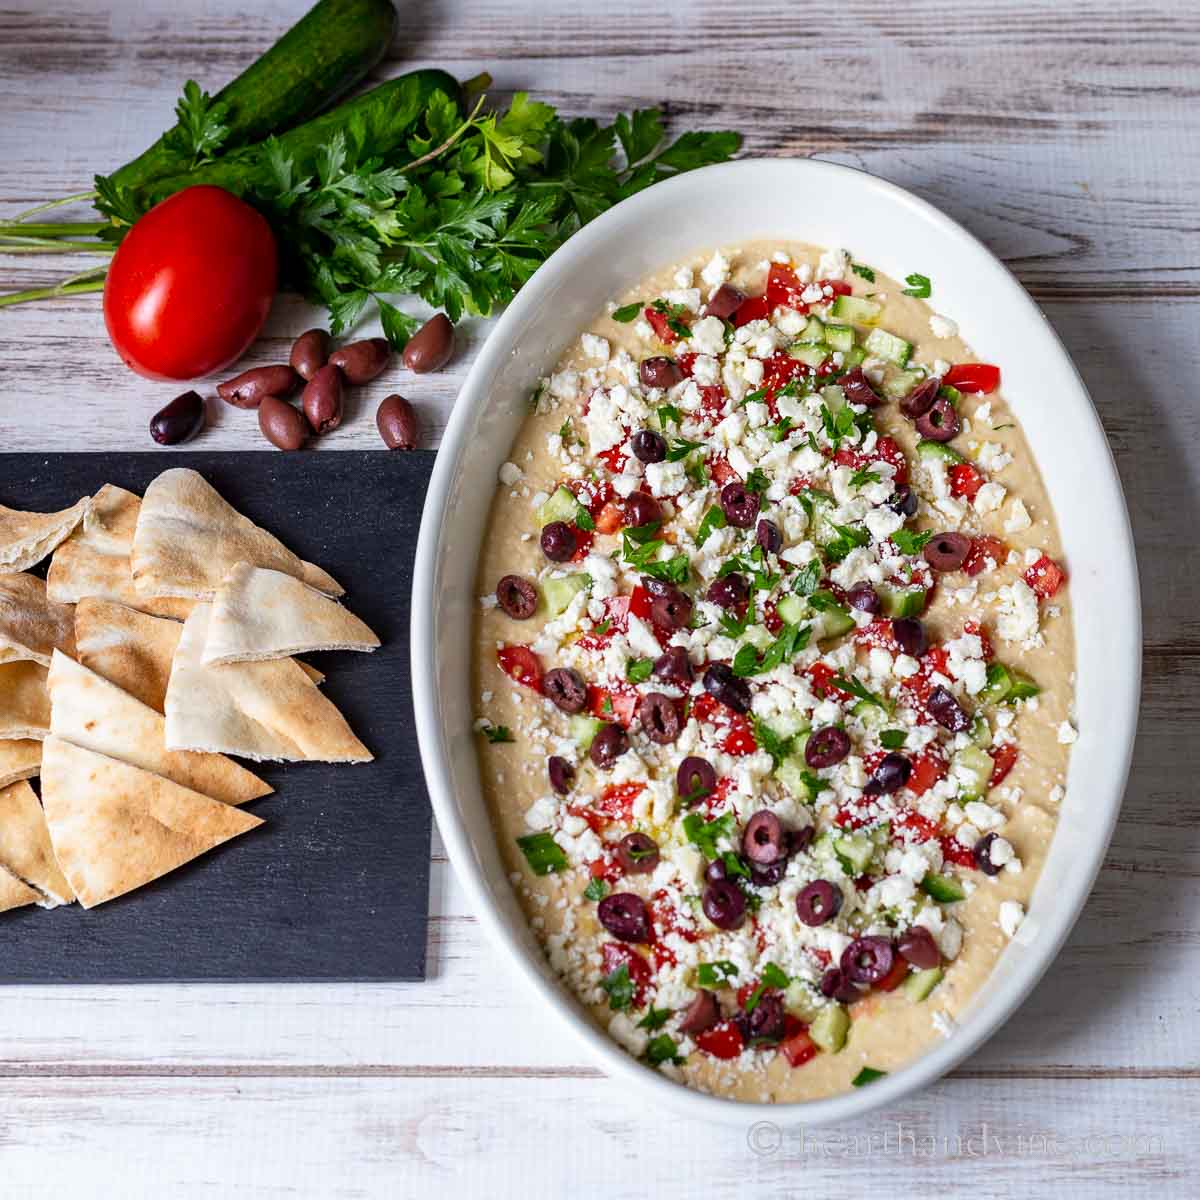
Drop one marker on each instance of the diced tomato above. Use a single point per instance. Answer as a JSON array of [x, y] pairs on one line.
[[953, 851], [915, 827], [771, 617], [927, 769], [607, 869], [712, 404], [616, 801], [1004, 758], [720, 470], [740, 740], [887, 450], [617, 954], [934, 662], [685, 362], [666, 918], [797, 1047], [839, 287], [755, 308], [973, 627], [779, 370], [1045, 577], [616, 614], [985, 552], [724, 1040], [973, 377], [597, 822], [896, 976], [593, 494], [854, 815], [616, 704], [583, 544], [877, 635], [640, 603], [659, 323], [610, 518], [965, 480], [521, 664], [821, 675], [614, 458], [784, 288]]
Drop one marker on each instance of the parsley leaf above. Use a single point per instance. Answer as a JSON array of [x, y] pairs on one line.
[[638, 670], [542, 853], [619, 988], [863, 476], [807, 579], [772, 976], [849, 684], [863, 272], [777, 747], [713, 519], [597, 889], [583, 519], [627, 312], [867, 1075], [779, 430], [663, 1049], [908, 541], [705, 834], [201, 130], [496, 734], [716, 974], [681, 448], [675, 570], [668, 412], [892, 739], [790, 640], [757, 481], [655, 1018], [918, 285], [847, 539], [674, 314]]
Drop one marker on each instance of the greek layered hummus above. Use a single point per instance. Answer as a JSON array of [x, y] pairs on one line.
[[773, 671]]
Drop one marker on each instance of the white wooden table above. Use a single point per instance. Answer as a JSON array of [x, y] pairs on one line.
[[1065, 135]]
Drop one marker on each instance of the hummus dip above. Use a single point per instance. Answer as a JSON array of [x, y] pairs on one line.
[[774, 671]]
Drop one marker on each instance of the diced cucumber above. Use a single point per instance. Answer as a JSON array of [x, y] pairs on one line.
[[792, 770], [759, 636], [788, 724], [562, 506], [831, 1025], [920, 983], [839, 337], [856, 849], [561, 591], [1023, 688], [901, 602], [887, 345], [972, 768], [831, 622], [880, 834], [871, 715], [897, 384], [856, 310], [834, 397], [999, 684], [584, 729], [952, 394], [981, 731], [938, 450], [813, 333], [792, 609], [854, 357], [810, 355], [798, 1000], [823, 529], [945, 889]]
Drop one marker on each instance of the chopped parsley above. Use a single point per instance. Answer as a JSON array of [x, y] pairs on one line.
[[892, 739], [757, 481], [681, 448], [807, 579], [716, 974], [705, 834], [627, 312], [655, 1018], [713, 519], [789, 642], [638, 670], [663, 1049], [668, 412], [640, 544], [863, 272], [755, 397], [779, 430], [535, 397], [566, 432], [583, 520], [675, 314], [863, 476], [733, 626], [497, 734], [542, 853], [596, 890], [849, 684], [918, 285], [773, 976], [675, 570], [618, 987], [847, 538], [908, 541], [777, 747], [867, 1075], [604, 626]]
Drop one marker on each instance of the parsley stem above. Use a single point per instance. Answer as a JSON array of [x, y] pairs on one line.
[[437, 150], [76, 199], [45, 246], [49, 293], [51, 229]]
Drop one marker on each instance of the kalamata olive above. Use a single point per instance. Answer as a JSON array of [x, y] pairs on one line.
[[818, 902], [281, 424], [695, 779], [889, 776], [917, 946], [767, 535], [565, 688], [724, 905], [739, 505], [659, 718], [397, 423], [837, 986], [940, 423], [920, 400], [178, 421], [731, 591], [909, 635], [981, 852], [674, 666], [726, 300], [517, 596], [361, 362], [562, 774], [768, 874], [947, 711], [826, 747], [671, 611], [648, 446], [947, 551], [659, 372], [657, 587], [716, 870], [703, 1013], [624, 915], [310, 352], [642, 509], [322, 399], [610, 742], [799, 840], [763, 839], [247, 389], [726, 688], [858, 390], [430, 348], [905, 501], [558, 541], [864, 597], [637, 853], [867, 959], [766, 1022]]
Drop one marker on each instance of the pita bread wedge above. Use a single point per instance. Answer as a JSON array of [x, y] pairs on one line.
[[91, 712], [31, 624], [187, 538], [260, 710], [19, 759], [129, 648], [115, 827], [260, 614], [27, 537], [13, 893], [94, 560], [25, 848], [24, 701]]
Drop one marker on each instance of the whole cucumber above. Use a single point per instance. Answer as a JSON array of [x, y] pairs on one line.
[[328, 51], [384, 117]]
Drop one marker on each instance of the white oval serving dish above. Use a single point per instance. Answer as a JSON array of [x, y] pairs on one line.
[[828, 205]]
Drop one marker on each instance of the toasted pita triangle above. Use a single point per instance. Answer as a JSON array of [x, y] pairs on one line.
[[115, 827], [261, 614], [188, 537], [129, 648], [31, 624], [24, 701], [27, 537], [91, 712], [13, 893], [25, 848], [19, 759], [94, 560], [260, 710]]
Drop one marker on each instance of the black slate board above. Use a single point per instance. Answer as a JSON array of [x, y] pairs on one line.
[[335, 886]]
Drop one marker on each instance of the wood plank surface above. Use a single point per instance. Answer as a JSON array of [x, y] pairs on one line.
[[1062, 132]]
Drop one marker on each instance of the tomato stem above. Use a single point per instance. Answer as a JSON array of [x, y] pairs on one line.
[[65, 288]]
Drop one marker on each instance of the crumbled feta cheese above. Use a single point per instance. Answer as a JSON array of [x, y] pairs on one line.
[[716, 272], [1067, 734], [1018, 517], [623, 1031], [1018, 617], [595, 347], [510, 473], [942, 327], [989, 497], [708, 336], [1011, 914], [833, 264]]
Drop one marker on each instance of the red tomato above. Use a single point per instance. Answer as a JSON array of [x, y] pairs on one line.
[[685, 362], [839, 287], [640, 603], [610, 518], [1004, 758], [821, 676], [658, 322], [797, 1047], [616, 801], [740, 740], [724, 1040], [927, 769], [614, 458], [712, 403], [721, 471], [617, 955], [190, 286], [955, 852], [973, 627], [965, 480], [917, 827], [895, 977], [607, 869], [973, 377], [985, 551], [616, 705], [784, 287], [755, 309], [521, 664], [1045, 577]]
